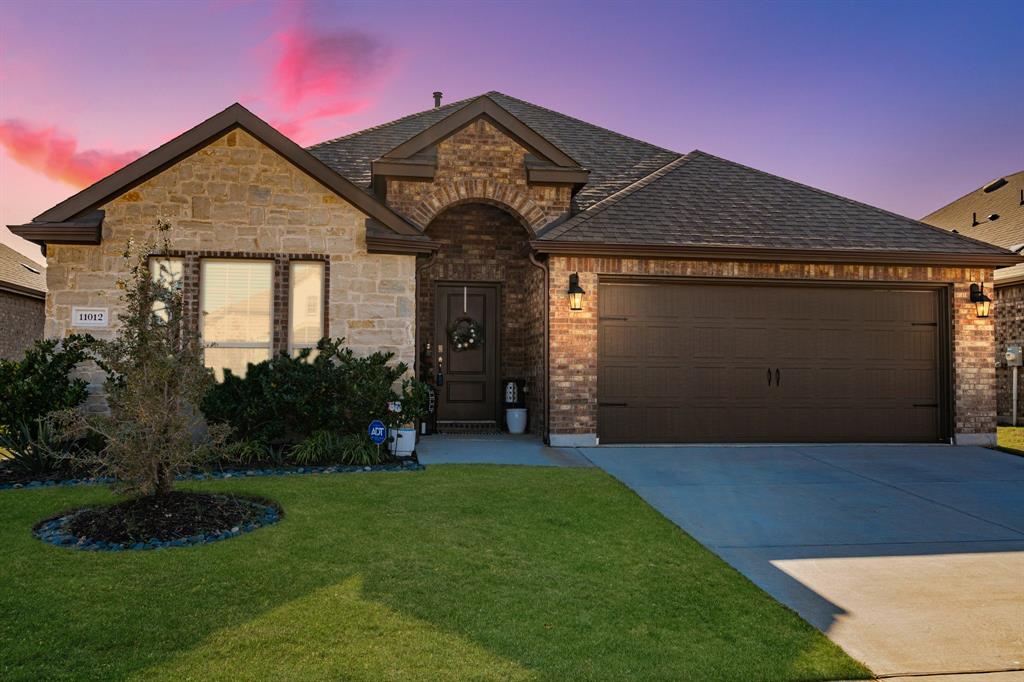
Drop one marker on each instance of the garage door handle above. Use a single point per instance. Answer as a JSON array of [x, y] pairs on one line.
[[778, 377], [769, 376]]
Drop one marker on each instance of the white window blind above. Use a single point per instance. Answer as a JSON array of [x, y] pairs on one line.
[[237, 313], [305, 305], [170, 272]]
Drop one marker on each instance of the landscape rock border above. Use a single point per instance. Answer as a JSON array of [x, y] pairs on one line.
[[408, 465], [56, 532]]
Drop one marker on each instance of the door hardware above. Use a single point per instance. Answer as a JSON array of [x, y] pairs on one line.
[[769, 376], [778, 381], [612, 404]]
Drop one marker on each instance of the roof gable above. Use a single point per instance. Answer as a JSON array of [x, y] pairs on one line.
[[20, 274], [969, 215], [235, 116]]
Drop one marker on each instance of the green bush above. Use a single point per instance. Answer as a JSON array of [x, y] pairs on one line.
[[327, 447], [286, 400], [32, 388]]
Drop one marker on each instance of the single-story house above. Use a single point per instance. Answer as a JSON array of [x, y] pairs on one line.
[[644, 295], [22, 298], [994, 213]]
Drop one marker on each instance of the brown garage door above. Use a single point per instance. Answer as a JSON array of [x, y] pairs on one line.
[[705, 363]]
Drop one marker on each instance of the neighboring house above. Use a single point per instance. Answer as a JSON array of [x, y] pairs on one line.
[[994, 213], [22, 302], [720, 303]]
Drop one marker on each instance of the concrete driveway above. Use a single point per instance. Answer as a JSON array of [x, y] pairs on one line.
[[909, 557]]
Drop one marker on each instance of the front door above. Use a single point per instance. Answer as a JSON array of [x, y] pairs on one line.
[[468, 367]]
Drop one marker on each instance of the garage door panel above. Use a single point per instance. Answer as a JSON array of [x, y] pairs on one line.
[[689, 363]]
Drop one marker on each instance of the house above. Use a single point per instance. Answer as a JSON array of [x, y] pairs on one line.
[[710, 302], [994, 213], [22, 299]]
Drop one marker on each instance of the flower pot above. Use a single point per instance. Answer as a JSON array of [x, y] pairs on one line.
[[515, 417], [403, 441]]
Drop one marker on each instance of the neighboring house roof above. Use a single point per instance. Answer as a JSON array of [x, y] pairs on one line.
[[1005, 199], [614, 160], [703, 201], [21, 275]]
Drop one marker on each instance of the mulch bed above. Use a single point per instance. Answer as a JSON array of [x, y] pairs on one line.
[[177, 519]]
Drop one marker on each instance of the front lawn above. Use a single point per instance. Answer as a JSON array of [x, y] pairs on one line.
[[457, 572], [1011, 439]]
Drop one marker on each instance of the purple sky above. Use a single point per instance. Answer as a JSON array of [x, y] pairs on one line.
[[903, 105]]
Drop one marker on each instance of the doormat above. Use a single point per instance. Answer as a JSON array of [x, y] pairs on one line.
[[467, 428]]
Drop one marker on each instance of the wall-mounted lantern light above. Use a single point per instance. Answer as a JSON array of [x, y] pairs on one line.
[[575, 292], [978, 298]]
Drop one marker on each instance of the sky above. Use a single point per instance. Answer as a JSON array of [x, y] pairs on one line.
[[903, 105]]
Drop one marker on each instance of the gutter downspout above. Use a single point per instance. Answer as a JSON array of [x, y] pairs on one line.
[[543, 265]]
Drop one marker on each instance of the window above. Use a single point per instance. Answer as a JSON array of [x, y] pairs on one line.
[[305, 305], [237, 303], [169, 272]]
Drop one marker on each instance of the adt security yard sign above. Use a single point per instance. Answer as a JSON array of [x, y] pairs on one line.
[[378, 432]]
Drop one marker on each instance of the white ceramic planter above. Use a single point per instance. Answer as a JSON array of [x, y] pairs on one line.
[[403, 441]]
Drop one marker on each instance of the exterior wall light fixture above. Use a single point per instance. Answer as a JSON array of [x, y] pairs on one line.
[[575, 292], [979, 299]]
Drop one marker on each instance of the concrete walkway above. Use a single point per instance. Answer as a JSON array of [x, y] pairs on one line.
[[909, 557], [496, 449]]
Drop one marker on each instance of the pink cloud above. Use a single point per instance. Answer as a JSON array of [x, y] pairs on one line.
[[56, 154]]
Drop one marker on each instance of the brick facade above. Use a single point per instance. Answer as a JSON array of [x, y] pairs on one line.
[[482, 243], [1009, 315], [236, 197], [21, 319], [573, 335], [480, 164]]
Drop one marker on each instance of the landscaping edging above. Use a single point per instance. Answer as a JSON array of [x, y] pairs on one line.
[[229, 473], [55, 531]]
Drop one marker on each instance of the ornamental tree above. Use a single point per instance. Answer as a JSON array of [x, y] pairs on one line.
[[154, 429]]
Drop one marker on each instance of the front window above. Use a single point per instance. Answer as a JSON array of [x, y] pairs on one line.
[[237, 313], [170, 273], [305, 305]]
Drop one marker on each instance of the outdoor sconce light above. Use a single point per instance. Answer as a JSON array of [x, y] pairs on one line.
[[575, 292], [978, 298]]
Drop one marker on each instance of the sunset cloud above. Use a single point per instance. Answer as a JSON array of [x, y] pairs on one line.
[[56, 154]]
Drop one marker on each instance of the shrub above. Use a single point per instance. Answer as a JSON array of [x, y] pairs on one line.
[[30, 389], [327, 447], [286, 400], [155, 380]]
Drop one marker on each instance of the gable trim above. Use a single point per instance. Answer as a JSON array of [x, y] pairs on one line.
[[483, 107], [235, 116]]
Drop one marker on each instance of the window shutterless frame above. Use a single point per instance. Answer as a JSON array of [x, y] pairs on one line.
[[204, 288], [305, 308]]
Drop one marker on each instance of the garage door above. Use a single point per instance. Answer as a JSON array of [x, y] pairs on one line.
[[704, 363]]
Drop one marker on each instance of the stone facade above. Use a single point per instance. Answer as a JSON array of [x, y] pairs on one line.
[[21, 322], [238, 197], [573, 335], [479, 164], [482, 243], [1009, 315]]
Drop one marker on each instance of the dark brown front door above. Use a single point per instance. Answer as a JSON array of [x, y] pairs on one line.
[[760, 363], [469, 392]]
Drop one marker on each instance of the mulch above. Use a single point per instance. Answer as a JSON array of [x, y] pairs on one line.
[[167, 517]]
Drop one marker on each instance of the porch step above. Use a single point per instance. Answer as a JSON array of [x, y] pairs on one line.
[[475, 428]]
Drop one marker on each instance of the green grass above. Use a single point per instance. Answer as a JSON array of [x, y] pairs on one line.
[[455, 573], [1011, 439]]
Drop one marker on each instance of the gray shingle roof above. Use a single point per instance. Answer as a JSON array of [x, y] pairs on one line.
[[703, 200], [614, 160], [1006, 201], [20, 271]]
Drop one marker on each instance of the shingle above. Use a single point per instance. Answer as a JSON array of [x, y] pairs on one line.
[[614, 160], [21, 271], [703, 200], [1007, 202]]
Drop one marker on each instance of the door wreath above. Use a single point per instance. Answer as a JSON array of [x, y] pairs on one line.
[[465, 333]]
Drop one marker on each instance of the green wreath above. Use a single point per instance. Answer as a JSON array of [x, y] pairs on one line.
[[465, 333]]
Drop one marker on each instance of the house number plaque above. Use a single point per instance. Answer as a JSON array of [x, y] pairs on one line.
[[90, 317]]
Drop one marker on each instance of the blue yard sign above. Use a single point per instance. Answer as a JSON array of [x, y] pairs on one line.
[[378, 432]]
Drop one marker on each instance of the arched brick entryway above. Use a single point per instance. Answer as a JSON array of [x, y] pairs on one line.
[[487, 245], [510, 198]]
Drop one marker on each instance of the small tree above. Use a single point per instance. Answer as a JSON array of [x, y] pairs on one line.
[[155, 381]]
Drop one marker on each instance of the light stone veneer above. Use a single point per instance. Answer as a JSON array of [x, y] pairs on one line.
[[238, 195]]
